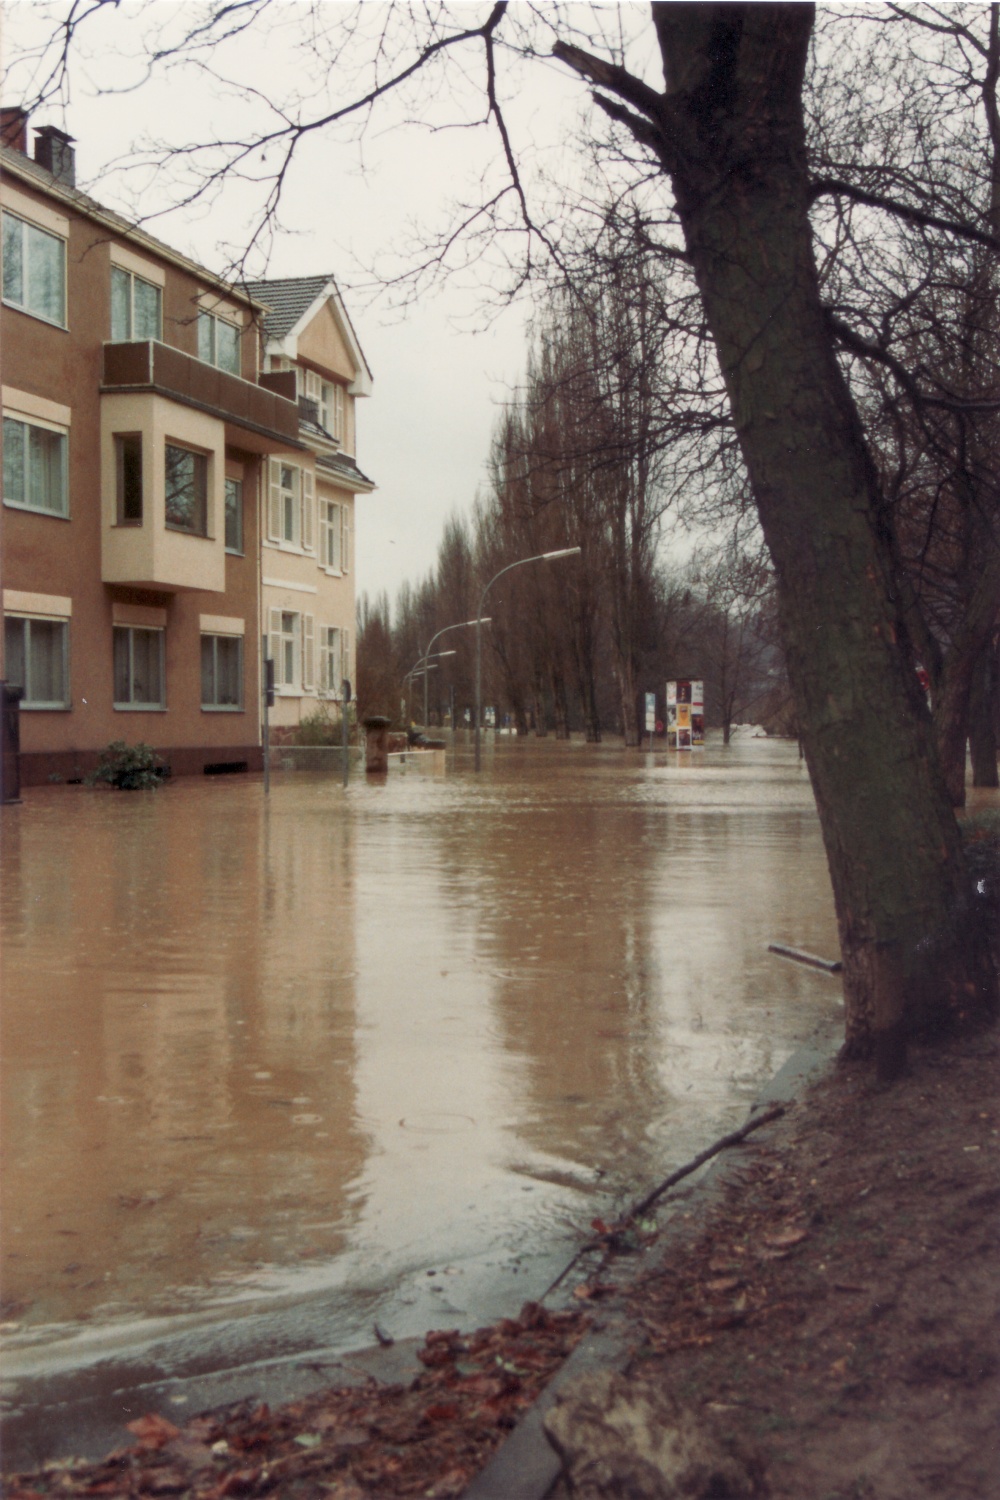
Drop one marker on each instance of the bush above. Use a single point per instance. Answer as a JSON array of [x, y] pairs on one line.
[[130, 768], [317, 729]]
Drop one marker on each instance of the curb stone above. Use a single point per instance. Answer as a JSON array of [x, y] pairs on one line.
[[526, 1467]]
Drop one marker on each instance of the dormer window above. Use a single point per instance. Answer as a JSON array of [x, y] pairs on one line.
[[219, 342], [329, 399]]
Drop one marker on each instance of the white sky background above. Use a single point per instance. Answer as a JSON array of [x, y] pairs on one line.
[[443, 366]]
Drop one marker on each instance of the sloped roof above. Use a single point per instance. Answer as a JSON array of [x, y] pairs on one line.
[[287, 300], [340, 466], [20, 165]]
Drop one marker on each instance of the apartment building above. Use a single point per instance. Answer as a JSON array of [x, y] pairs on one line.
[[150, 460], [307, 552]]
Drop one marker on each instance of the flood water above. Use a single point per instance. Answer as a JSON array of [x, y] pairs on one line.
[[320, 1045]]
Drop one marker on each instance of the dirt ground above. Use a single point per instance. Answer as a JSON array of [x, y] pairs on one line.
[[838, 1310]]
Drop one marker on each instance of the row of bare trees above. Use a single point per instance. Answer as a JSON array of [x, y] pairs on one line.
[[601, 447]]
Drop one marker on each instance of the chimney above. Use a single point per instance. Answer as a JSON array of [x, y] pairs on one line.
[[54, 151], [14, 128]]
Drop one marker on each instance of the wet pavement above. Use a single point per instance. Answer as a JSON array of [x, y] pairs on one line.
[[278, 1069]]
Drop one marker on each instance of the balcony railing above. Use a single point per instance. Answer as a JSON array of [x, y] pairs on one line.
[[265, 418]]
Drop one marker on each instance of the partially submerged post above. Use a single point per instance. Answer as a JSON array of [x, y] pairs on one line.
[[376, 744]]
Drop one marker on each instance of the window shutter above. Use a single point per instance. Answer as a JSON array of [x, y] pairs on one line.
[[345, 539], [345, 648], [308, 510], [308, 652], [324, 535], [273, 500], [274, 645]]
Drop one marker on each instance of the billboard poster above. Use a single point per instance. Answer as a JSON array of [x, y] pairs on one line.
[[650, 712], [685, 713]]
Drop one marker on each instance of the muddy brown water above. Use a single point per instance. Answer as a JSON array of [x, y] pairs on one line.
[[392, 1049]]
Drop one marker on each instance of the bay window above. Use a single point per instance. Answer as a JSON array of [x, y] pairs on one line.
[[186, 490], [128, 479]]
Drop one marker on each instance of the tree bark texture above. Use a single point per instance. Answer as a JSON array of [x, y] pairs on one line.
[[984, 715], [733, 142]]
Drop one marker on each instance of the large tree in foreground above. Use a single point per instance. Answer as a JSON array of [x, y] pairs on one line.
[[723, 143], [728, 130]]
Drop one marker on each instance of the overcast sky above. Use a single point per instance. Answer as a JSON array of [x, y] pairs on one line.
[[441, 368]]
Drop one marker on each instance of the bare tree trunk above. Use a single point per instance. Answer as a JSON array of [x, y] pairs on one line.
[[730, 132], [984, 713], [560, 707]]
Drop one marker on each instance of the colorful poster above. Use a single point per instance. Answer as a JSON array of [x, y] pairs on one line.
[[683, 716]]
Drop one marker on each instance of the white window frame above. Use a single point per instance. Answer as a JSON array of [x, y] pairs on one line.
[[141, 706], [295, 502], [334, 537], [330, 660], [33, 705], [215, 707], [43, 426], [27, 230], [300, 636], [133, 276]]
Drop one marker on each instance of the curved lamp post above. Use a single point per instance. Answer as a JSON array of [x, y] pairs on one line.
[[422, 665], [461, 625], [539, 557]]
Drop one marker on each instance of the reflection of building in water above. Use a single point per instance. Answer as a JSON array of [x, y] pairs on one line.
[[178, 1042]]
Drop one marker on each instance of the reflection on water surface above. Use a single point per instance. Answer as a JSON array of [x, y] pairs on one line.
[[329, 1042]]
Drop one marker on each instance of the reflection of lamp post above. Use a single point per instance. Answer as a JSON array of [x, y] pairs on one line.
[[462, 625], [540, 557]]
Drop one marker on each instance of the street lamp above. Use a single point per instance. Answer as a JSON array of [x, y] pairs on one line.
[[462, 625], [540, 557], [421, 665]]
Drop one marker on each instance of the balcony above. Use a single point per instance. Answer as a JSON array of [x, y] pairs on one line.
[[256, 420]]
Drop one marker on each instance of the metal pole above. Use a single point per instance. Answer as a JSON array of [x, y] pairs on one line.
[[426, 675], [345, 694], [267, 726], [539, 557]]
